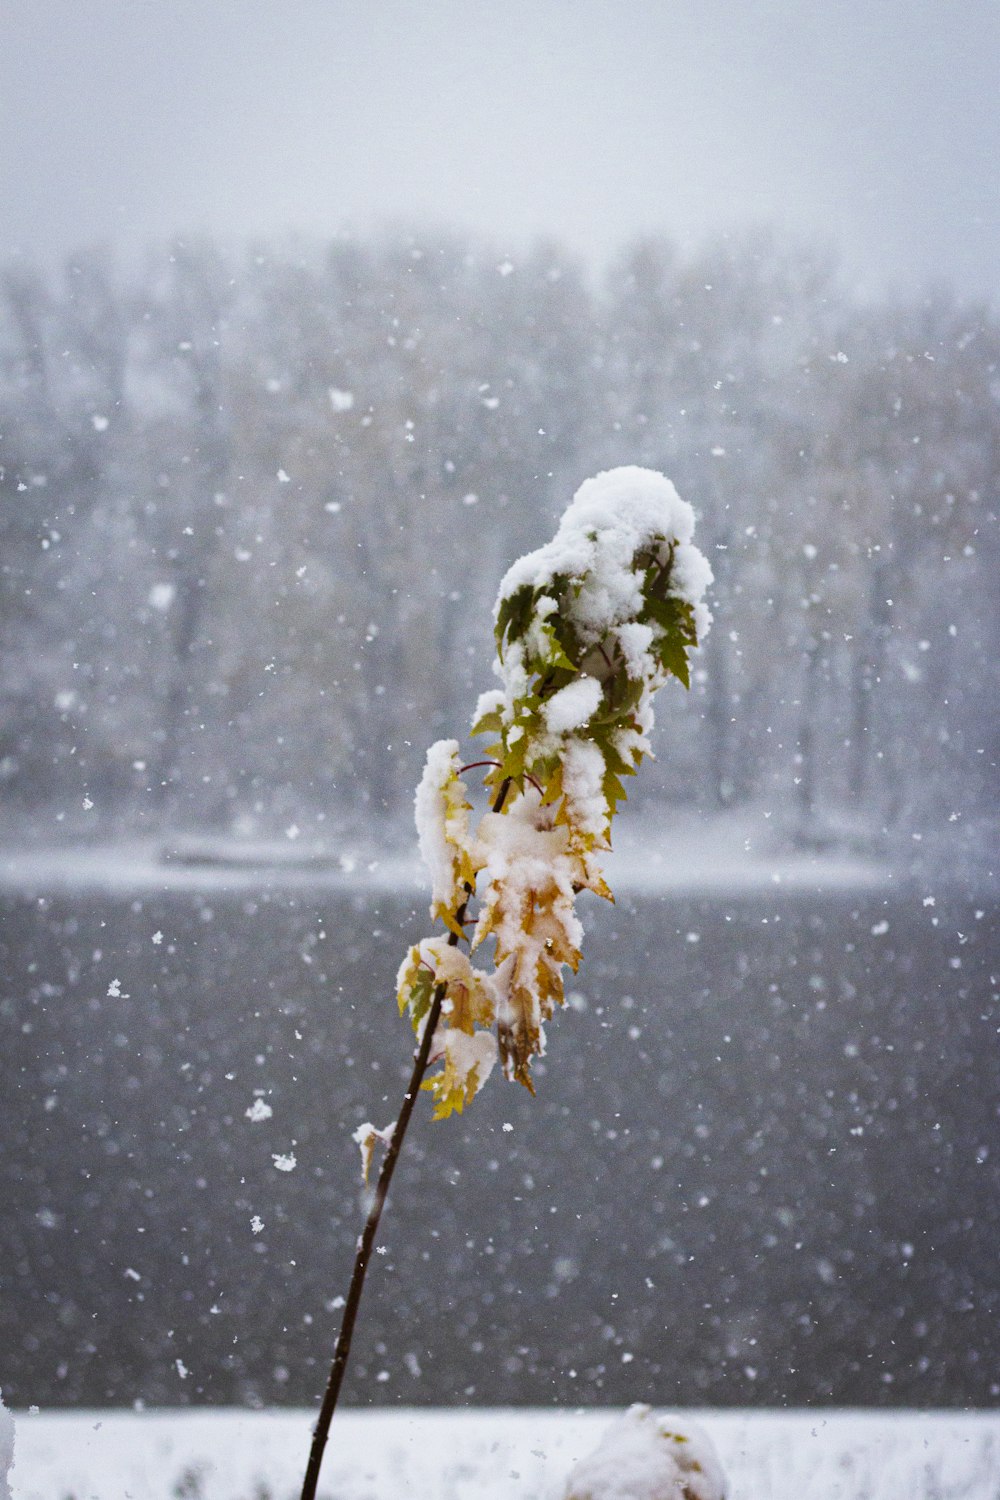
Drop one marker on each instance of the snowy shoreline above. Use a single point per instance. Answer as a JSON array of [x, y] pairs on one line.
[[693, 858], [437, 1454]]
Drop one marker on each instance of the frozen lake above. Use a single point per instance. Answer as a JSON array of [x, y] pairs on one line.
[[761, 1167]]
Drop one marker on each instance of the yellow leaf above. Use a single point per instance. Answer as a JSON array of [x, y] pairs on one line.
[[468, 1062]]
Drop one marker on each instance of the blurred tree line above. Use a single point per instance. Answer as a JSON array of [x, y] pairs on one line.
[[254, 510]]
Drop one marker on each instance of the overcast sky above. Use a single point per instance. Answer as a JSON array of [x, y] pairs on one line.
[[874, 124]]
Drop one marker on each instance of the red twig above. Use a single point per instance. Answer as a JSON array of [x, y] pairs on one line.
[[474, 763]]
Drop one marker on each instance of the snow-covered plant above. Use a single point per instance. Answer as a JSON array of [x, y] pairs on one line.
[[587, 627]]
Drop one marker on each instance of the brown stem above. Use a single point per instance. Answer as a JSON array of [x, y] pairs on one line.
[[367, 1241], [663, 571]]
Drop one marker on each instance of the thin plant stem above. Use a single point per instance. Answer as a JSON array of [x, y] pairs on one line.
[[366, 1243]]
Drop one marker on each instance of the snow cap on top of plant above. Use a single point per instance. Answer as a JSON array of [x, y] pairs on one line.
[[590, 625], [588, 628], [611, 518]]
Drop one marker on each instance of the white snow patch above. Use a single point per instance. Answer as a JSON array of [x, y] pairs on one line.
[[634, 640], [440, 827], [489, 702], [470, 1055], [573, 705], [583, 784]]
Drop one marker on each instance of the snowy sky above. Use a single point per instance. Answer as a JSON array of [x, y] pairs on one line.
[[873, 123]]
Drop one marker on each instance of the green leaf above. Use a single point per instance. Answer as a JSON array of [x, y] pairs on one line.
[[419, 1000], [672, 656], [489, 723], [514, 615], [613, 758], [566, 637], [614, 792], [676, 621], [674, 615], [556, 657]]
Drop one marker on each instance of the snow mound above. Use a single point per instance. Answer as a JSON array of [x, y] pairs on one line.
[[648, 1455]]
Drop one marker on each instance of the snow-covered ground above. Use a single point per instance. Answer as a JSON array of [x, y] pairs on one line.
[[666, 851], [432, 1454]]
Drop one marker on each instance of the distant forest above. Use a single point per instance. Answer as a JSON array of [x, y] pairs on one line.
[[255, 508]]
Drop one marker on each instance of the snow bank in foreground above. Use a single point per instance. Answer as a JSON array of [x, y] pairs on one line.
[[6, 1449], [430, 1454]]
